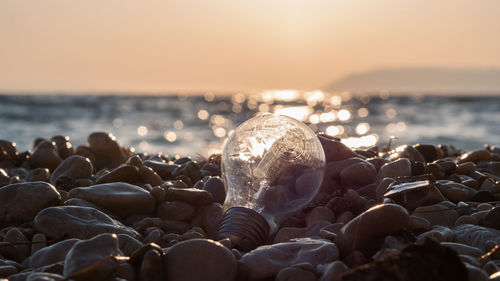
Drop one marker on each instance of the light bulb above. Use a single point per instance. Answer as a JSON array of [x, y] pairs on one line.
[[272, 166]]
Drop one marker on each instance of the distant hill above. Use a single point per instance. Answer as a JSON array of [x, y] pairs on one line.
[[423, 80]]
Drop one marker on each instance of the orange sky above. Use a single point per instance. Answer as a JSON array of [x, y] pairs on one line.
[[227, 45]]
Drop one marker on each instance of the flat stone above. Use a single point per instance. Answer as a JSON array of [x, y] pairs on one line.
[[51, 254], [38, 174], [192, 196], [121, 199], [176, 210], [476, 156], [164, 170], [77, 222], [75, 167], [266, 261], [199, 259], [476, 236], [463, 249], [22, 201], [362, 232], [288, 233], [437, 214], [89, 252]]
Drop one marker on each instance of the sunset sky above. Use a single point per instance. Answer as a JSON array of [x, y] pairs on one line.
[[228, 45]]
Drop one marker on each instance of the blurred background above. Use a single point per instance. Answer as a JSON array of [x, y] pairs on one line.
[[179, 76]]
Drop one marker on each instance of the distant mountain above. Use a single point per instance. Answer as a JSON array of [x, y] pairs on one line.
[[423, 80]]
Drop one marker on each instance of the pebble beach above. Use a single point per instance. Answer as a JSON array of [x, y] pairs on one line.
[[100, 211]]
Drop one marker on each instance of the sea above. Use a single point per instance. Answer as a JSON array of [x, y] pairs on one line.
[[197, 124]]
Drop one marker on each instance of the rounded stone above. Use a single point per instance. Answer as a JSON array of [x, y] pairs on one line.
[[45, 156], [77, 222], [120, 198], [358, 175], [176, 210], [398, 168], [106, 150], [22, 201], [75, 167], [199, 259], [361, 232], [215, 185], [63, 146]]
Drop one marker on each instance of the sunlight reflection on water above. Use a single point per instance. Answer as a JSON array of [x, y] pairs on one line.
[[190, 125]]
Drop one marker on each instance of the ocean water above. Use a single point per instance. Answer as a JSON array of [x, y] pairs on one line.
[[198, 125]]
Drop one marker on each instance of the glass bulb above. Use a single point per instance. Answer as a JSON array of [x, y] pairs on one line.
[[274, 165]]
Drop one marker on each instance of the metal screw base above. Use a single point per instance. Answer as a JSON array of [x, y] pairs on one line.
[[246, 228]]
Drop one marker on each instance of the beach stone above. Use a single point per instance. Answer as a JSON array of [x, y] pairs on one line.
[[475, 273], [476, 156], [217, 262], [21, 202], [492, 218], [398, 168], [289, 233], [295, 274], [51, 254], [266, 261], [479, 215], [465, 168], [151, 268], [429, 152], [381, 188], [320, 213], [215, 185], [8, 154], [437, 214], [88, 252], [124, 173], [482, 196], [164, 170], [176, 210], [419, 223], [106, 150], [438, 233], [466, 219], [475, 235], [192, 196], [77, 222], [63, 146], [75, 167], [13, 236], [190, 169], [362, 232], [208, 218], [7, 270], [45, 156], [463, 249], [128, 244], [414, 194], [358, 175], [426, 260], [333, 271], [121, 199], [39, 242], [44, 276], [38, 174], [335, 150]]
